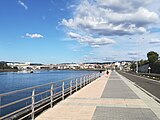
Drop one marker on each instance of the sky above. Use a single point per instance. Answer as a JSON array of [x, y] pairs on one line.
[[62, 31]]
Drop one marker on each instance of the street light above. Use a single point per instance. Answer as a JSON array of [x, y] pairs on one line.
[[137, 66], [136, 58], [138, 41]]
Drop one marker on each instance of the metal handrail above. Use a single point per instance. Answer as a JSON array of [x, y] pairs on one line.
[[15, 112], [41, 100], [66, 87], [15, 102], [57, 93], [25, 89], [46, 91], [57, 88], [25, 116], [34, 87]]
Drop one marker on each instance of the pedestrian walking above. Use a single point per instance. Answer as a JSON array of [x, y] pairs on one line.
[[107, 72]]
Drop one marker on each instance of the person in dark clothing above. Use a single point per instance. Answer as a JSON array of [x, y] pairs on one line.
[[107, 72]]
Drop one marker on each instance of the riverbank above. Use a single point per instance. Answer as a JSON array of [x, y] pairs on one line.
[[8, 70], [16, 70]]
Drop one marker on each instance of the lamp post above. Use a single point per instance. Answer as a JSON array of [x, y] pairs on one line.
[[136, 58], [137, 66], [138, 41]]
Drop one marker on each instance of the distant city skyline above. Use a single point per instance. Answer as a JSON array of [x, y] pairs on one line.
[[78, 31]]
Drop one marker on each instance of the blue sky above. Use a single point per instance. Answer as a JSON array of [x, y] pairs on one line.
[[56, 31]]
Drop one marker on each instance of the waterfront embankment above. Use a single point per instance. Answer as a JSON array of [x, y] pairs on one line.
[[113, 98], [8, 70]]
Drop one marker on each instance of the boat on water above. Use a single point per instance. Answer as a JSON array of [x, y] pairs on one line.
[[26, 71]]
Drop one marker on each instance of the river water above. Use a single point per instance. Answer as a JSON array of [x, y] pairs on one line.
[[10, 81]]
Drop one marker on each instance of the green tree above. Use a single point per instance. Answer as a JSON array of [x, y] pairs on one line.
[[3, 65], [142, 62], [152, 56], [133, 66]]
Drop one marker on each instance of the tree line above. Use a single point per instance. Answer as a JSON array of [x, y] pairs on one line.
[[153, 62], [5, 67]]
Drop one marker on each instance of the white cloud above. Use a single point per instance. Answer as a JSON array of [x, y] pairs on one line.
[[123, 5], [108, 59], [154, 41], [71, 6], [95, 46], [34, 35], [94, 18], [93, 42], [117, 19], [133, 53], [23, 4]]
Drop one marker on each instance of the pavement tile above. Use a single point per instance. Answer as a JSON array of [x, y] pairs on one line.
[[109, 113]]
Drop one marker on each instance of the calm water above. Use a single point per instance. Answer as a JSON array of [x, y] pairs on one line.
[[10, 81], [15, 81]]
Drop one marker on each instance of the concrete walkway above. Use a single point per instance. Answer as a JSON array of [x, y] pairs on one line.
[[115, 98]]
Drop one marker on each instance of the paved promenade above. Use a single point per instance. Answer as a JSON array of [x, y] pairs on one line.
[[107, 98]]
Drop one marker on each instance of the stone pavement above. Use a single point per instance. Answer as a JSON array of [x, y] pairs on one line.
[[113, 98]]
